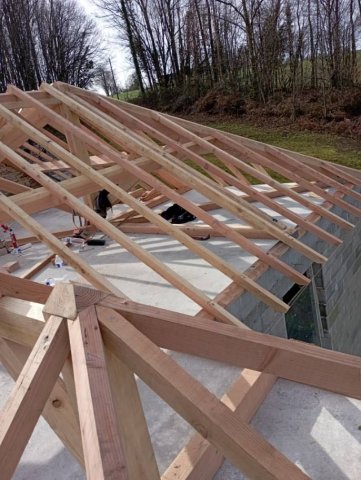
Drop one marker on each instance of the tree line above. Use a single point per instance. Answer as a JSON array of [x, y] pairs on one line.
[[46, 40], [257, 47]]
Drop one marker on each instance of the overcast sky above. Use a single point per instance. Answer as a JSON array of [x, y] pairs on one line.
[[118, 55]]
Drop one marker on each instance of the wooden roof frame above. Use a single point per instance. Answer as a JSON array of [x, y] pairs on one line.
[[138, 146], [109, 338]]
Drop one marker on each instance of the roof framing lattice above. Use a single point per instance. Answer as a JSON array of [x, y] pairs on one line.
[[144, 158]]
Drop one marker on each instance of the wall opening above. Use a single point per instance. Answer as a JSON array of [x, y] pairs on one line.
[[303, 320]]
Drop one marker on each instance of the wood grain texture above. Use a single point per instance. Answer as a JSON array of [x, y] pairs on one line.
[[238, 442], [32, 389], [104, 459]]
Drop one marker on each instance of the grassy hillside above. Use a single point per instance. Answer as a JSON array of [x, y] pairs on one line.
[[333, 148]]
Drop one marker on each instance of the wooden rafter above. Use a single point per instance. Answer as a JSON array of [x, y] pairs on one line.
[[143, 160]]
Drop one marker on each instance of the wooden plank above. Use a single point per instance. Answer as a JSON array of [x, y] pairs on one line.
[[85, 270], [40, 265], [198, 460], [245, 448], [13, 187], [168, 228], [240, 184], [102, 446], [252, 156], [239, 208], [194, 230], [137, 446], [33, 387], [200, 214], [24, 289], [58, 411], [289, 359], [183, 285], [12, 102], [40, 199]]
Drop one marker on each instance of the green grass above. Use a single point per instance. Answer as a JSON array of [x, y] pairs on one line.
[[324, 146], [129, 95]]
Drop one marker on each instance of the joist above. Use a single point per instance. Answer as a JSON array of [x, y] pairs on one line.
[[256, 173], [349, 174], [227, 140]]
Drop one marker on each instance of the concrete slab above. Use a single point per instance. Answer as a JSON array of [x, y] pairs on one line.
[[317, 430]]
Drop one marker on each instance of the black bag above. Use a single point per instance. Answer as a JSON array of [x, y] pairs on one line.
[[102, 203]]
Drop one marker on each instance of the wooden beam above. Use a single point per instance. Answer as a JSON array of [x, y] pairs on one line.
[[102, 446], [33, 387], [289, 359], [245, 448], [23, 289], [229, 179], [13, 187], [193, 231], [40, 199], [240, 208], [40, 265], [58, 411], [137, 446], [85, 270], [76, 146], [12, 102], [351, 175], [88, 272], [198, 460], [131, 246], [189, 206]]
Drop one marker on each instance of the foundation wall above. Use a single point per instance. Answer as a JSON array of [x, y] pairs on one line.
[[337, 287]]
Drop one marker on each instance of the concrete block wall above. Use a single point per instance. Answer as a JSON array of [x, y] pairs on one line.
[[338, 287], [342, 294]]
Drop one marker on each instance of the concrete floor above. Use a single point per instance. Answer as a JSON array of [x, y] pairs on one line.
[[317, 430]]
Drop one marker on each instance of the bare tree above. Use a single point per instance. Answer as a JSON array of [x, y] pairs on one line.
[[46, 40]]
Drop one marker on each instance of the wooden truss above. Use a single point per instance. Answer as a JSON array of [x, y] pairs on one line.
[[77, 368], [97, 341]]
